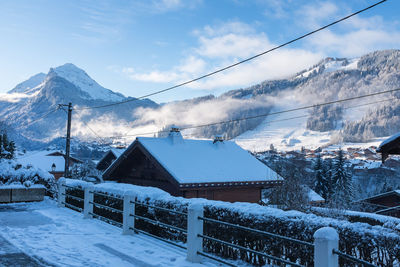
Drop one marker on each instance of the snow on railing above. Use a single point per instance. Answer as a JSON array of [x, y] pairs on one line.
[[326, 239]]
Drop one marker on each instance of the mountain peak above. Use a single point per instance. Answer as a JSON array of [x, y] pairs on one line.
[[27, 86], [82, 80]]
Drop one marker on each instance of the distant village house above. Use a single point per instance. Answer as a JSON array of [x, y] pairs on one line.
[[390, 146], [109, 158], [51, 161], [385, 204]]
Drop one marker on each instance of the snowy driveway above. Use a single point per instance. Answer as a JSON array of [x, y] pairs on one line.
[[53, 236]]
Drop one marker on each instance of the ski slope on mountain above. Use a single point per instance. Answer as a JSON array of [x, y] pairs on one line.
[[292, 134], [284, 135]]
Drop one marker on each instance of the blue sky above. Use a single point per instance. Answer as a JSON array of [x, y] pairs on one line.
[[137, 47]]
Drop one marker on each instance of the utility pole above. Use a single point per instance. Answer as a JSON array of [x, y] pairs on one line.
[[68, 142]]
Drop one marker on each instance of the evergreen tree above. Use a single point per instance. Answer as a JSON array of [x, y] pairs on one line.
[[342, 182], [321, 185], [11, 150], [5, 142], [327, 170], [7, 148]]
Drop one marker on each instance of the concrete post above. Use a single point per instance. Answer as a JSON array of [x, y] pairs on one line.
[[194, 228], [61, 192], [128, 221], [326, 240], [88, 202]]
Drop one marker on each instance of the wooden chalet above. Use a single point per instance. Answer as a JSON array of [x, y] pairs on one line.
[[385, 204], [390, 146], [216, 170], [108, 159]]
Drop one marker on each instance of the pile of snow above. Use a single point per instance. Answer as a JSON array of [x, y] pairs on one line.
[[13, 173]]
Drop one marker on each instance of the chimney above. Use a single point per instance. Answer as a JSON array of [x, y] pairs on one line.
[[175, 135], [218, 139]]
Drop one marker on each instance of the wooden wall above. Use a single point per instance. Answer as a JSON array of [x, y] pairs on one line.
[[388, 201], [229, 194]]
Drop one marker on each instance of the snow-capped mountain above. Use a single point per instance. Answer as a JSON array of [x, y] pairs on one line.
[[331, 79], [362, 120], [30, 109], [80, 79]]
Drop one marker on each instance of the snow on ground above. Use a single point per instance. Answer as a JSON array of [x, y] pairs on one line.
[[284, 135], [291, 134], [61, 237]]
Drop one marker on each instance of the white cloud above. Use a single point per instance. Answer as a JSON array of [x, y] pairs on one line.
[[183, 114], [232, 45], [155, 76], [15, 97], [227, 43], [192, 65], [353, 37], [224, 45], [276, 8], [355, 43], [314, 14]]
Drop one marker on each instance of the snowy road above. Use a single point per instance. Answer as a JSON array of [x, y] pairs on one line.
[[41, 234]]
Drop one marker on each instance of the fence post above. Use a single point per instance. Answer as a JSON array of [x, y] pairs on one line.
[[128, 221], [326, 239], [61, 192], [194, 228], [88, 202]]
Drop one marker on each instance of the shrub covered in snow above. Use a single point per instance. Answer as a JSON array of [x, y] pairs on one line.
[[12, 172], [376, 244]]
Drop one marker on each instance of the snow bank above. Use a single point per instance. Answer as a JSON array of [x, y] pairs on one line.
[[19, 186], [12, 172]]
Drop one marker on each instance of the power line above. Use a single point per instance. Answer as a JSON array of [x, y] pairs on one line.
[[237, 63], [305, 116], [93, 131], [40, 118], [272, 113]]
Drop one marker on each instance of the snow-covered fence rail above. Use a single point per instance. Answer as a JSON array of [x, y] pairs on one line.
[[239, 231]]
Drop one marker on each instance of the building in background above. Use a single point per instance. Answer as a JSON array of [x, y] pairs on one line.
[[51, 161]]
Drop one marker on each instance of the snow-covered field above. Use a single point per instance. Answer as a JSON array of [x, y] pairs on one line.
[[61, 237], [288, 132]]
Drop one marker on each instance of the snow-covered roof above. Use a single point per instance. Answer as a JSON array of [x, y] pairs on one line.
[[40, 159], [314, 196], [202, 161], [396, 192], [390, 139], [117, 151]]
